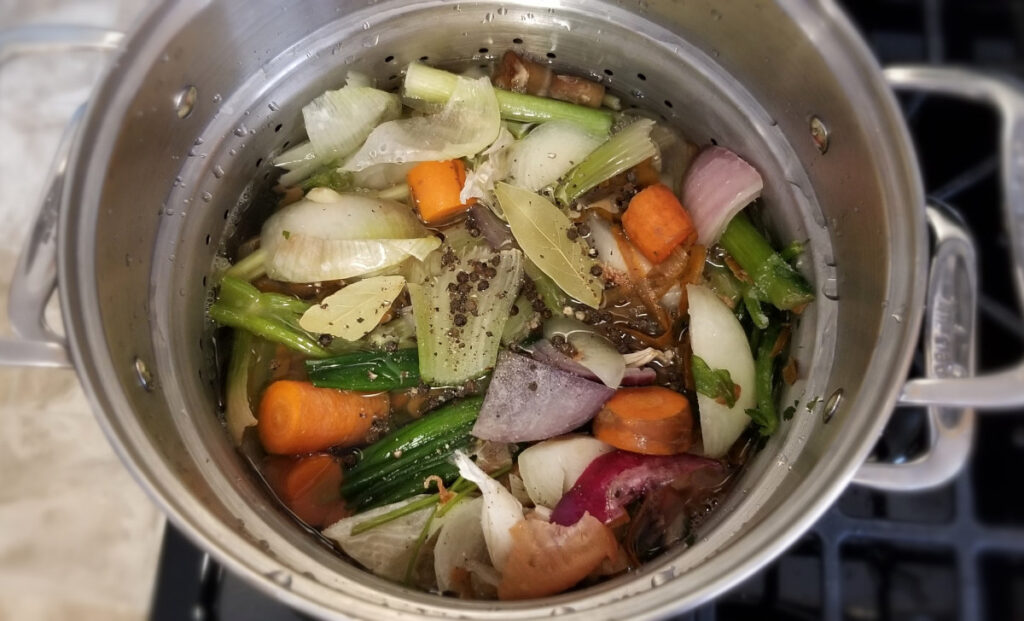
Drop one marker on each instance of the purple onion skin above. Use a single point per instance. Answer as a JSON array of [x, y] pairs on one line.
[[615, 479], [528, 400]]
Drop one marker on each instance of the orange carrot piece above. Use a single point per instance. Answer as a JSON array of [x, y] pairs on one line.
[[652, 420], [297, 417], [656, 222], [309, 486], [436, 187]]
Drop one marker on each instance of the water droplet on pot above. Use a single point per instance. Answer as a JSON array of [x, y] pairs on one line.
[[207, 197], [198, 141], [241, 131], [366, 25], [897, 317], [274, 106], [217, 98], [218, 172]]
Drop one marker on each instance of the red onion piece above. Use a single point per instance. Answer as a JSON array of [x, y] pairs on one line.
[[528, 400], [496, 232], [614, 480], [544, 351], [718, 185]]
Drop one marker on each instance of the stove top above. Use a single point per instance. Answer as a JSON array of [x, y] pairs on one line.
[[956, 552]]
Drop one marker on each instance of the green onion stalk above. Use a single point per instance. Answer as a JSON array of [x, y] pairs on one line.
[[367, 370]]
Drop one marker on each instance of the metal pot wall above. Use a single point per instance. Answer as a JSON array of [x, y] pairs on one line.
[[178, 137]]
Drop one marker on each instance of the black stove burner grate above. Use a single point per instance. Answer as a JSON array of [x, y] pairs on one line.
[[956, 552]]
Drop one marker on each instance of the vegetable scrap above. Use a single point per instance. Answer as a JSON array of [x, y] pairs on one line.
[[502, 340]]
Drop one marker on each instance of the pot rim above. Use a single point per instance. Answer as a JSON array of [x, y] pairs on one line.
[[103, 378]]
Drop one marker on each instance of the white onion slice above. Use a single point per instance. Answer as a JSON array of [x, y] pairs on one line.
[[718, 186], [550, 468], [717, 337], [501, 511], [337, 122], [386, 549], [609, 253], [468, 123], [548, 152], [460, 542], [595, 352], [329, 236]]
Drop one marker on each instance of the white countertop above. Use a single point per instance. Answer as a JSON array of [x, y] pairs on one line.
[[78, 538]]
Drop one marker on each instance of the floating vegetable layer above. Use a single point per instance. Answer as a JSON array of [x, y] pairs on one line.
[[493, 348]]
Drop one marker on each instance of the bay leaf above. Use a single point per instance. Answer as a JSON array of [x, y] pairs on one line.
[[355, 310], [542, 231]]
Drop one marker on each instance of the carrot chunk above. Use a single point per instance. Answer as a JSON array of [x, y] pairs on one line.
[[297, 417], [309, 486], [651, 420], [436, 187], [656, 222]]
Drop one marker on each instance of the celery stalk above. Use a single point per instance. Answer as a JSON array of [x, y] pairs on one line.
[[775, 280], [460, 341], [550, 293], [765, 415], [435, 86], [238, 411], [251, 267], [273, 316], [618, 154]]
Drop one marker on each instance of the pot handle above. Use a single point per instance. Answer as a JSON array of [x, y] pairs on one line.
[[949, 352], [1002, 389], [35, 276]]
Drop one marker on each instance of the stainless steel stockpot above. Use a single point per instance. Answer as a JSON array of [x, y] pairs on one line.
[[179, 135]]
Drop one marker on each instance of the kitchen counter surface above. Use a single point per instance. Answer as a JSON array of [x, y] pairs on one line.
[[78, 538]]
